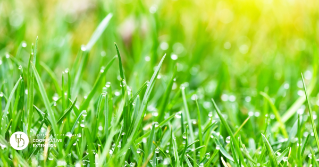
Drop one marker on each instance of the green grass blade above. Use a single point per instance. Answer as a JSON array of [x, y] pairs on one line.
[[241, 157], [67, 111], [123, 84], [165, 98], [52, 75], [276, 113], [297, 104], [96, 85], [159, 126], [272, 155], [9, 101], [45, 100], [310, 113], [98, 31], [145, 100]]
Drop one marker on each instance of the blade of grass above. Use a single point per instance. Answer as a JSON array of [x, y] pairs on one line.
[[138, 140], [142, 110], [241, 157], [45, 100], [310, 113], [272, 155], [52, 75], [276, 113], [9, 101], [98, 31], [297, 104], [165, 98], [67, 111], [96, 85]]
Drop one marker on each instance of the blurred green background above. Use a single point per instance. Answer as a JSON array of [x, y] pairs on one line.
[[237, 47]]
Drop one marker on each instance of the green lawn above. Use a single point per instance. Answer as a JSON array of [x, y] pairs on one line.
[[159, 83]]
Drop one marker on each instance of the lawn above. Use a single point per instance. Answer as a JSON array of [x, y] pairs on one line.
[[174, 83]]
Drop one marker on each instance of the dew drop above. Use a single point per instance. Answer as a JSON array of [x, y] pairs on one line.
[[69, 134], [228, 139], [24, 44], [83, 48], [184, 136], [84, 114], [174, 57], [157, 150]]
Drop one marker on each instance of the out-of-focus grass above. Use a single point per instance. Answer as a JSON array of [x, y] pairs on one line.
[[246, 55]]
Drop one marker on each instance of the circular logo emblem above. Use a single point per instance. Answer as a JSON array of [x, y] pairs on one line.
[[19, 140]]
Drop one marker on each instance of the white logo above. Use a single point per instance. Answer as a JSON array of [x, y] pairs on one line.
[[19, 140]]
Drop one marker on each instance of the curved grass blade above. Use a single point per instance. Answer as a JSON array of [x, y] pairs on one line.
[[138, 92], [297, 104], [9, 101], [98, 32], [54, 79], [45, 100], [142, 110], [96, 85], [310, 113], [121, 70], [165, 100], [272, 155], [276, 113], [67, 112], [159, 126], [221, 148], [230, 133]]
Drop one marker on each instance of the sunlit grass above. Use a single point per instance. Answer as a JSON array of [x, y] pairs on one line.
[[135, 83]]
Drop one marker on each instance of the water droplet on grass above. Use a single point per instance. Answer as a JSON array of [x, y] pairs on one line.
[[83, 48], [24, 44], [156, 124], [194, 97], [111, 152], [310, 156], [117, 93], [84, 114], [178, 115], [69, 134], [174, 57], [228, 139], [184, 136], [139, 150], [157, 150]]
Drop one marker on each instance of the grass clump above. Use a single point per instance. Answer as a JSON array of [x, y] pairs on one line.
[[160, 95]]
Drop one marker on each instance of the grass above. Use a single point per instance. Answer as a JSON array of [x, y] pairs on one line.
[[138, 83]]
